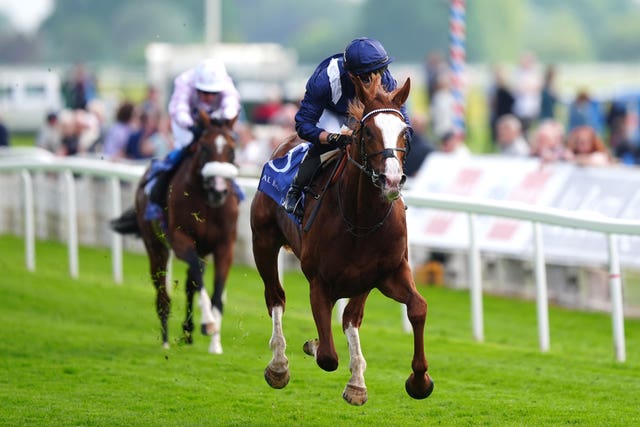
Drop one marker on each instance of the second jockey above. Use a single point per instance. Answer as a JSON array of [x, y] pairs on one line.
[[207, 87]]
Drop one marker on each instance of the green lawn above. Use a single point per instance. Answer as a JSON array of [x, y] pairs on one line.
[[87, 352]]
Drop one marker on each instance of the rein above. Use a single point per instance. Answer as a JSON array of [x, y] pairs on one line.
[[360, 231]]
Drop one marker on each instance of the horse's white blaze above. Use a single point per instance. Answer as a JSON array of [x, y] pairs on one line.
[[220, 143], [357, 364], [391, 125], [279, 363]]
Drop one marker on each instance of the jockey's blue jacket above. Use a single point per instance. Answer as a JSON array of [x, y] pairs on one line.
[[330, 88]]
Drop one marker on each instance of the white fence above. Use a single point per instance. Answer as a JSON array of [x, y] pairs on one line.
[[27, 162]]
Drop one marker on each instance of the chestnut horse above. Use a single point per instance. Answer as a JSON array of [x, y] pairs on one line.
[[357, 242], [201, 219]]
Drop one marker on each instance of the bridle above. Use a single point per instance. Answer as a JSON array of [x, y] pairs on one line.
[[377, 178], [387, 153]]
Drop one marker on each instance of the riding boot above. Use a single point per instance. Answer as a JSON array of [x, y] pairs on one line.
[[158, 193], [127, 223], [292, 203]]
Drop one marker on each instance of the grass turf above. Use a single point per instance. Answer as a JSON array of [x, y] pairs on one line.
[[88, 352]]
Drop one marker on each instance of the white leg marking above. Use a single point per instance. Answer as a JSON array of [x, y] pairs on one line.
[[406, 324], [340, 306], [215, 347], [357, 364], [279, 362], [207, 314]]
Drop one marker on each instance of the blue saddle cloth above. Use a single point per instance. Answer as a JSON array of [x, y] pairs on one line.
[[277, 175]]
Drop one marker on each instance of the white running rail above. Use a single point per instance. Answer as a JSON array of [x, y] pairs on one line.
[[26, 163]]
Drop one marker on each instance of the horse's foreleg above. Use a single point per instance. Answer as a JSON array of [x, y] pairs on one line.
[[324, 349], [208, 325], [267, 241], [277, 371], [158, 265], [355, 391], [185, 251], [187, 325], [402, 288], [223, 258]]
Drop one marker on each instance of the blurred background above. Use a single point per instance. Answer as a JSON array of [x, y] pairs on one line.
[[519, 77], [126, 46]]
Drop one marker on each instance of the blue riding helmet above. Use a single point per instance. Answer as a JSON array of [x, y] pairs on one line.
[[364, 55]]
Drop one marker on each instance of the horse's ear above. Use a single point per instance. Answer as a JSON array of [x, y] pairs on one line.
[[400, 95], [374, 84], [204, 118], [357, 83], [366, 90], [232, 122]]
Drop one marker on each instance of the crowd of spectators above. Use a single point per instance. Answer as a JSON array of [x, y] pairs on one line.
[[83, 127], [138, 131], [526, 118]]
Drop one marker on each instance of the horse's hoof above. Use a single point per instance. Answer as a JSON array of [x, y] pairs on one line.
[[208, 328], [419, 389], [355, 395], [310, 347], [276, 379], [187, 338], [215, 347], [166, 345]]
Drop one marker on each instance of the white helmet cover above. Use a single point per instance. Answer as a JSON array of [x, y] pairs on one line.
[[211, 76]]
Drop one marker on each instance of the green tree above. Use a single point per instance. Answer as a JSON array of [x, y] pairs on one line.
[[408, 29], [496, 30], [118, 30], [560, 36]]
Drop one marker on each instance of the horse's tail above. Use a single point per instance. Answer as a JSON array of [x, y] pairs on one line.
[[127, 223]]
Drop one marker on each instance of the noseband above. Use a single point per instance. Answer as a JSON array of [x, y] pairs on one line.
[[387, 153]]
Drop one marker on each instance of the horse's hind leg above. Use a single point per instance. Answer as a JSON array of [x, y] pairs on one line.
[[355, 391], [401, 288], [158, 256]]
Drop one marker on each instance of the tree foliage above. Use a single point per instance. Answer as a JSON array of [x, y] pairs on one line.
[[496, 30]]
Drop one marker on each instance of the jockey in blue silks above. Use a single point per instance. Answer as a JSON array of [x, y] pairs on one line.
[[206, 87], [324, 108]]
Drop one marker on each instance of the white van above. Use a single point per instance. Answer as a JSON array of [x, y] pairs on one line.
[[27, 94]]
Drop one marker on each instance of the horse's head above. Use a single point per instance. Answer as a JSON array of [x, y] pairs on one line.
[[214, 158], [381, 137]]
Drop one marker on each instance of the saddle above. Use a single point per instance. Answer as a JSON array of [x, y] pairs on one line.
[[277, 174]]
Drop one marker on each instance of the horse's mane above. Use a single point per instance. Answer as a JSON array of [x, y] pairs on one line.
[[375, 91]]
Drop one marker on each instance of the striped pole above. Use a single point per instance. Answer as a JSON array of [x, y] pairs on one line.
[[457, 57]]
